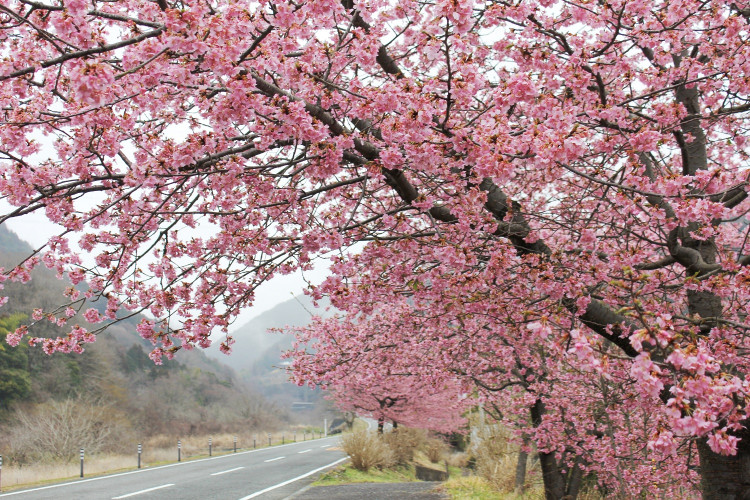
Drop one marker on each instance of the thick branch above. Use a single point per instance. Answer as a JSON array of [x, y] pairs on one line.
[[598, 316], [651, 266], [385, 61], [690, 258], [83, 53], [606, 323]]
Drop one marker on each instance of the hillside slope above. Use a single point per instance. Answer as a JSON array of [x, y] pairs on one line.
[[193, 393]]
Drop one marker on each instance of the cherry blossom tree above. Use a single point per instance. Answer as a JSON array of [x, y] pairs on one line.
[[377, 380], [403, 400], [580, 411], [570, 173]]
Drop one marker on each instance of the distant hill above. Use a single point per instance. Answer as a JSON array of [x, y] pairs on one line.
[[11, 243], [256, 355], [45, 289], [252, 340]]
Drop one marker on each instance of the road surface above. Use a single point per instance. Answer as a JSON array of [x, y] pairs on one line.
[[266, 474]]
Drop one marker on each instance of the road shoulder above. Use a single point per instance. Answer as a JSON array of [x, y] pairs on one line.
[[371, 491]]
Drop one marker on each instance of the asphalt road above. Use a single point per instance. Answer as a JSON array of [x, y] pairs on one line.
[[266, 474]]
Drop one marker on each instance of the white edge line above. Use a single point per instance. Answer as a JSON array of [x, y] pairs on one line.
[[147, 469], [304, 451], [226, 471], [273, 459], [143, 491], [270, 488]]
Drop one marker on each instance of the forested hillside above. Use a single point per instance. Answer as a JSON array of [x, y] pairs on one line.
[[113, 381]]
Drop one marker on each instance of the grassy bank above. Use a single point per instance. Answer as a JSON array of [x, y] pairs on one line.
[[346, 474], [458, 486]]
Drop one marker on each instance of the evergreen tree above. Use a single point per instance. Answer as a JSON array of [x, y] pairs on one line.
[[15, 382]]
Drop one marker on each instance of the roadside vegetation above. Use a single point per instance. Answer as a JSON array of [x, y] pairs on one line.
[[348, 474], [485, 470]]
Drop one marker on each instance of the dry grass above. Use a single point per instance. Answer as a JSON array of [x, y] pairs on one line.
[[458, 459], [471, 488], [54, 431], [403, 443], [367, 450], [164, 448], [496, 457], [435, 449], [496, 454], [500, 472], [17, 476], [156, 450]]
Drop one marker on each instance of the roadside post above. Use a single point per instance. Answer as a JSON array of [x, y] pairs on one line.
[[140, 449], [325, 427], [235, 444], [179, 451], [81, 462], [209, 447]]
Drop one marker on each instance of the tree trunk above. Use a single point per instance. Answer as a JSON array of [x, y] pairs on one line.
[[554, 481], [575, 480], [722, 477], [521, 471], [725, 477], [381, 425], [395, 425]]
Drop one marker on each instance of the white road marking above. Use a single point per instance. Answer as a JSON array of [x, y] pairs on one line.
[[273, 459], [143, 491], [270, 488], [326, 446], [225, 471], [304, 451]]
